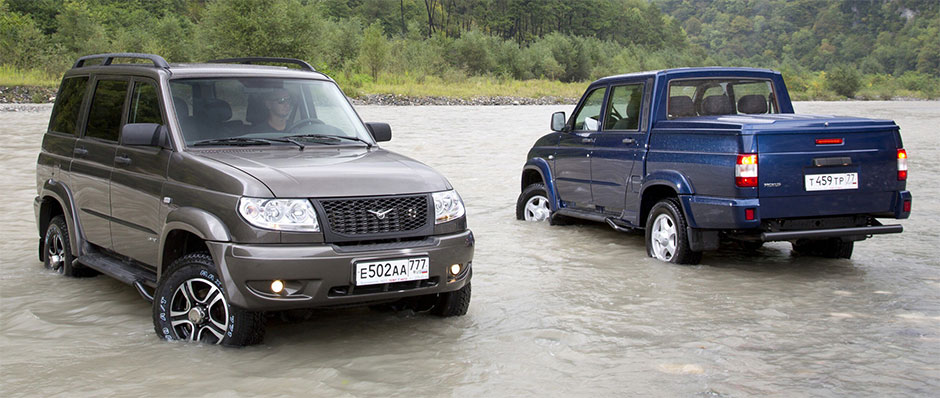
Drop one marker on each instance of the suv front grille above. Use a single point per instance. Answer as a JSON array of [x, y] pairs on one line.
[[376, 216]]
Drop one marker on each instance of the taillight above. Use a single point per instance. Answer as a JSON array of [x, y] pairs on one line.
[[902, 165], [745, 171]]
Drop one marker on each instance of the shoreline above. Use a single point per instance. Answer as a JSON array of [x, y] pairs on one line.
[[22, 98]]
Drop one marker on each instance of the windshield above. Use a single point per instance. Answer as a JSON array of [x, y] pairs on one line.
[[706, 97], [264, 111]]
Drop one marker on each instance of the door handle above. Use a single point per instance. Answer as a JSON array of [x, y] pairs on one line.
[[587, 140], [628, 140], [80, 152], [122, 160]]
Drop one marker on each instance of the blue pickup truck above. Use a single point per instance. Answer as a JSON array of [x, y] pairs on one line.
[[694, 156]]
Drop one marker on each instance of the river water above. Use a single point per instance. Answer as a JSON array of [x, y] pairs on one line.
[[557, 310]]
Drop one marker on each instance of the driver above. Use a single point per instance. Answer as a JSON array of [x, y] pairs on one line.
[[278, 103]]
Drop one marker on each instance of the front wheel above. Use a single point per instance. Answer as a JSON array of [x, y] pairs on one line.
[[533, 204], [190, 305], [455, 303], [666, 235]]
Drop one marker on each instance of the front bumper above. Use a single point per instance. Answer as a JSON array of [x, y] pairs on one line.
[[322, 275]]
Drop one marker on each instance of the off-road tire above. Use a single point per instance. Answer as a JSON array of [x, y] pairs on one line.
[[56, 239], [826, 248], [455, 303], [529, 192], [683, 253], [242, 327]]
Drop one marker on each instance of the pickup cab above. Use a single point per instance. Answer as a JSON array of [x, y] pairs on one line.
[[694, 156]]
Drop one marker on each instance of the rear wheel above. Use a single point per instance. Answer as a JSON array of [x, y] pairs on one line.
[[666, 235], [190, 304], [57, 250]]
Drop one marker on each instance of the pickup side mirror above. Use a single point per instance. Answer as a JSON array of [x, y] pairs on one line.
[[381, 132], [558, 121], [144, 134]]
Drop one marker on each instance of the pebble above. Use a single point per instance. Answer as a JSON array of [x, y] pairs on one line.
[[32, 95]]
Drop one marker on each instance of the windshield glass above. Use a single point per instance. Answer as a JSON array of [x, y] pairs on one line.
[[262, 111], [706, 97]]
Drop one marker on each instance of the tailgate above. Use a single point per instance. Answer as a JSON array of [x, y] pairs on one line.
[[827, 168]]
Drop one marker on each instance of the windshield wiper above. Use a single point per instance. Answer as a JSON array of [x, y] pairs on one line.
[[243, 141], [342, 137], [232, 141]]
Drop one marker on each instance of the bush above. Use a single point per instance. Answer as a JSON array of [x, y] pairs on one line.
[[844, 80], [373, 52]]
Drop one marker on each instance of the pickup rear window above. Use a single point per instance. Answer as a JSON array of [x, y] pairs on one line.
[[709, 97]]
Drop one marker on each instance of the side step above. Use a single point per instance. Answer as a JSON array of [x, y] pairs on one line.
[[120, 270], [618, 225]]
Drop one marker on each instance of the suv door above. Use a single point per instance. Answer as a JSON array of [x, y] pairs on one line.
[[64, 126], [94, 158], [573, 156], [618, 147], [137, 182]]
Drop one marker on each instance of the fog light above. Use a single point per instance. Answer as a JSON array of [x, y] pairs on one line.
[[455, 269], [277, 286]]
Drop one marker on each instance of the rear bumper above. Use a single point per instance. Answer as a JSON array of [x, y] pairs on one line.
[[322, 275], [854, 233], [703, 212]]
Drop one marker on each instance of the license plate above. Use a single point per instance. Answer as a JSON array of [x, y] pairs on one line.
[[831, 182], [390, 271]]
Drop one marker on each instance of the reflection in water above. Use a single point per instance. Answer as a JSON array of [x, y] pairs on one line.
[[557, 311]]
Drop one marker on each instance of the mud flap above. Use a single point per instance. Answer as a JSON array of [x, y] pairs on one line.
[[701, 239]]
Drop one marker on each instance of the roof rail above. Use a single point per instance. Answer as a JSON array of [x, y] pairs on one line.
[[254, 60], [157, 60]]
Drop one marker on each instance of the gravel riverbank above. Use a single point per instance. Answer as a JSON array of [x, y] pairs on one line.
[[39, 95]]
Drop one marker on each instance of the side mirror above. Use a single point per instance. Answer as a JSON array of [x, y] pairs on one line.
[[381, 132], [144, 134], [558, 121]]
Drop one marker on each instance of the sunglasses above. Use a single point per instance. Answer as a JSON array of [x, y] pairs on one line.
[[282, 100]]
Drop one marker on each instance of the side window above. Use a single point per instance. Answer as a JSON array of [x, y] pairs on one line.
[[104, 118], [623, 108], [145, 106], [588, 117], [68, 104]]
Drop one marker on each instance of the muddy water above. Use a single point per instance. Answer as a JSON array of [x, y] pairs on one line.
[[557, 311]]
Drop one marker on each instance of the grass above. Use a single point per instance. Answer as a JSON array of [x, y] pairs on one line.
[[470, 87], [10, 76]]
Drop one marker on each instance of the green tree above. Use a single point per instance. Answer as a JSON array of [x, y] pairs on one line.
[[277, 28], [845, 80], [373, 52]]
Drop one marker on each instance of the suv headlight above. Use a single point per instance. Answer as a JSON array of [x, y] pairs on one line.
[[279, 214], [447, 206]]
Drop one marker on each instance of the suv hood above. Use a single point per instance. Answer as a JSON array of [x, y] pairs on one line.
[[334, 172]]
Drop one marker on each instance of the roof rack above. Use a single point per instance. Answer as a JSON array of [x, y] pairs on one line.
[[157, 60], [255, 60]]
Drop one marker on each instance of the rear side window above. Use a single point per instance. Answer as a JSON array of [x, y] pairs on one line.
[[68, 104], [145, 106], [623, 108], [104, 118]]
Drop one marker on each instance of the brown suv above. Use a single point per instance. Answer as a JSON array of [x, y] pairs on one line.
[[227, 189]]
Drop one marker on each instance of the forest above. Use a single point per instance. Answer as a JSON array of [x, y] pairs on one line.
[[827, 49]]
